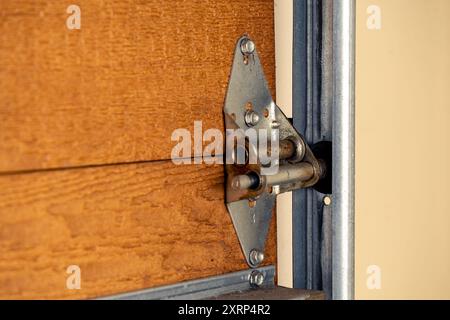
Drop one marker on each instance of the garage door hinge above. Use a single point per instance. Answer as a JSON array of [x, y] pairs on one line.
[[265, 155]]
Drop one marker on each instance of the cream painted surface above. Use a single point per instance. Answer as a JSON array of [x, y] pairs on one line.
[[403, 149], [284, 23], [283, 64]]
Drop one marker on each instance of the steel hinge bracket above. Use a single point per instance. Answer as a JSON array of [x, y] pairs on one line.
[[252, 186]]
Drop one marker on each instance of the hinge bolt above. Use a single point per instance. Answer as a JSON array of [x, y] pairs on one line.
[[247, 46], [256, 278], [256, 257], [251, 118]]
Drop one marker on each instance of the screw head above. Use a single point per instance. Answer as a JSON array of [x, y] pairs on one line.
[[247, 46], [251, 118], [256, 278], [256, 257]]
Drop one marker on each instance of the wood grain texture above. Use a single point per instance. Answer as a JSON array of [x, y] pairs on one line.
[[115, 90], [128, 227]]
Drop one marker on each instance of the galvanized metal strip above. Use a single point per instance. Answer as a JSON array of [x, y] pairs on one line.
[[343, 148], [309, 111], [313, 111], [300, 77], [201, 288]]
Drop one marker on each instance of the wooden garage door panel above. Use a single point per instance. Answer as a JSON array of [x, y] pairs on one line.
[[127, 227], [115, 90]]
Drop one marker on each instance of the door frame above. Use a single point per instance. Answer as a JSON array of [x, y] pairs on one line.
[[315, 238]]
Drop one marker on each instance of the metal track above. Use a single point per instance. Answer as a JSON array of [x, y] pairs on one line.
[[323, 110], [343, 148], [202, 288]]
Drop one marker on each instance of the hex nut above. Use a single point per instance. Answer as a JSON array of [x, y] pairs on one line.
[[247, 46], [256, 278], [251, 118], [256, 257]]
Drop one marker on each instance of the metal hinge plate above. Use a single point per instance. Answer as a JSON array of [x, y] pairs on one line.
[[249, 105]]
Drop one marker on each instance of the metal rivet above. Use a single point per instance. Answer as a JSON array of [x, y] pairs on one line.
[[256, 278], [275, 124], [276, 190], [327, 201], [256, 257], [247, 46], [251, 118]]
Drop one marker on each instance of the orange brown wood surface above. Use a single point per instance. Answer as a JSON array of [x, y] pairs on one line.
[[86, 118], [127, 227], [115, 90]]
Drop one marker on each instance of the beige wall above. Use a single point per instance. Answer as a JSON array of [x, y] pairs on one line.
[[403, 149], [283, 64]]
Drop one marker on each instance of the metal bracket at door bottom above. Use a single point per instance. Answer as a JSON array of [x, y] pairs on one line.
[[231, 286], [205, 288], [265, 155]]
